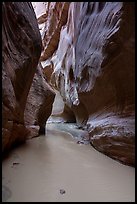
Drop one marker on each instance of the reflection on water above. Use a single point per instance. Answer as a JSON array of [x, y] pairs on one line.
[[80, 135], [47, 165]]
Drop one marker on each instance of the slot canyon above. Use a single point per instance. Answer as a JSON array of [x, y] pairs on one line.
[[68, 102]]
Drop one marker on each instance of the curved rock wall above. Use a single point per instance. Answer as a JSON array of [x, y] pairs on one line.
[[39, 104], [50, 24], [94, 72], [21, 49]]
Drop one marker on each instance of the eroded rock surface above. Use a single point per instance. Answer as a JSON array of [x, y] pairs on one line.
[[51, 16], [39, 104], [94, 72], [21, 49], [50, 24]]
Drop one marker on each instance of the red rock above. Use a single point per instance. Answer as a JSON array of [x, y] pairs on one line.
[[21, 48], [39, 103], [54, 18], [94, 71]]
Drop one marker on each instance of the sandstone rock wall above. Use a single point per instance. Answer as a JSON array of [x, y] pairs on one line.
[[94, 72], [51, 16], [39, 104], [50, 24], [21, 49]]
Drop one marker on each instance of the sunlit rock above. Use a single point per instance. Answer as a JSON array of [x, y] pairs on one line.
[[94, 72]]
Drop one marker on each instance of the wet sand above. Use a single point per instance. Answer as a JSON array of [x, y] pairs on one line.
[[37, 170]]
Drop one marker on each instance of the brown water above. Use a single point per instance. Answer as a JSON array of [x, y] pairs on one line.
[[38, 170]]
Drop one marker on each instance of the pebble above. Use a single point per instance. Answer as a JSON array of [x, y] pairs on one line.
[[62, 191], [15, 163], [80, 142]]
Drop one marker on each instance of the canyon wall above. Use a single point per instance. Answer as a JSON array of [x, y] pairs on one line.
[[93, 68], [51, 16], [39, 104], [21, 49]]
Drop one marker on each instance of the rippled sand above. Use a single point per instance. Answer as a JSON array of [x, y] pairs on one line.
[[38, 170]]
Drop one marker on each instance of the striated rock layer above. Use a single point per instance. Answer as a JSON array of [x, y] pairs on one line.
[[51, 17], [39, 104], [21, 49], [50, 24], [94, 72]]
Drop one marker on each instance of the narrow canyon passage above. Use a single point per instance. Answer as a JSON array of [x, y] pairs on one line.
[[39, 169], [54, 143]]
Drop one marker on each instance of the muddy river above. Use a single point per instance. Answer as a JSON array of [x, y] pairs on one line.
[[58, 168], [41, 168]]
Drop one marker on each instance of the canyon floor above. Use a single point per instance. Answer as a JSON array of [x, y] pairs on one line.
[[58, 168]]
